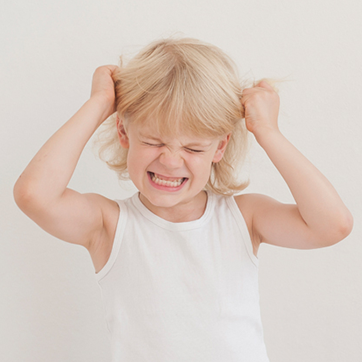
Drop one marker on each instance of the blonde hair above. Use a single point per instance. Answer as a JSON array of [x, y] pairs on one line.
[[183, 86]]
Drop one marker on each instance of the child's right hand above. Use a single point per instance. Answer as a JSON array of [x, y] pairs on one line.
[[103, 87]]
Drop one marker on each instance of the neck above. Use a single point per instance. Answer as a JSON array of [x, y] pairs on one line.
[[188, 211]]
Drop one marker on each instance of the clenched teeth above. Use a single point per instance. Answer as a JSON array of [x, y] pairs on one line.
[[161, 182]]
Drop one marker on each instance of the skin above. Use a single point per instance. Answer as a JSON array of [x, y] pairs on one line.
[[170, 158], [318, 218]]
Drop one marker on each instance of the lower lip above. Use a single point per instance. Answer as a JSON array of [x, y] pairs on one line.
[[166, 188]]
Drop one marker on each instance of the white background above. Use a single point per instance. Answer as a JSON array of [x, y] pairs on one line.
[[50, 305]]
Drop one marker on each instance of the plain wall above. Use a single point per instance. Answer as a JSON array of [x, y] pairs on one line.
[[50, 305]]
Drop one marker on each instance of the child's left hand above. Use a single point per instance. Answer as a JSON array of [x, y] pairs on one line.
[[261, 107]]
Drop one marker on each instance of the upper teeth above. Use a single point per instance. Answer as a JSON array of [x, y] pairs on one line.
[[159, 181]]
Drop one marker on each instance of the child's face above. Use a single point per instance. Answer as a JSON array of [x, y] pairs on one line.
[[169, 171]]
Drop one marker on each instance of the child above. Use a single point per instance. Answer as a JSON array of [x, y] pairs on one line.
[[177, 262]]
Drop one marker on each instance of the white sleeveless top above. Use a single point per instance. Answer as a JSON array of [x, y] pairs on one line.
[[182, 292]]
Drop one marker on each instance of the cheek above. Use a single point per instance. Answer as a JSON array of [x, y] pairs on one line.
[[206, 160], [201, 166], [134, 162], [138, 159]]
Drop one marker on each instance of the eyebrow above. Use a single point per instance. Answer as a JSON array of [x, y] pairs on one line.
[[192, 144]]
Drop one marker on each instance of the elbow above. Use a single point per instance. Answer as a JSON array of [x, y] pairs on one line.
[[20, 194], [30, 196], [346, 224], [23, 195], [340, 229]]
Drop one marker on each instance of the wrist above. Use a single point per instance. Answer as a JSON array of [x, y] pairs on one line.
[[262, 134], [104, 107]]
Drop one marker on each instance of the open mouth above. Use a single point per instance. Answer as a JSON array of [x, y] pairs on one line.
[[169, 183]]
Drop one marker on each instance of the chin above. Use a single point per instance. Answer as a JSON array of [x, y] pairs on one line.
[[162, 200]]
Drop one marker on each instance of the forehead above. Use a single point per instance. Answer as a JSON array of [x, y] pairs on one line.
[[146, 130]]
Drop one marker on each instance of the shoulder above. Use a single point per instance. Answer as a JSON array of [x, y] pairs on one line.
[[248, 205]]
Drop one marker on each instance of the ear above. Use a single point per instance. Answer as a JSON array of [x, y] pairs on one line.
[[221, 148], [122, 134]]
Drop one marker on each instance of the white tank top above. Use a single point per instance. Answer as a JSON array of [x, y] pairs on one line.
[[182, 292]]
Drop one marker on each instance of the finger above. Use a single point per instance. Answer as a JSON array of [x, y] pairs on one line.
[[248, 93], [244, 101], [113, 68], [264, 84], [257, 88], [109, 66]]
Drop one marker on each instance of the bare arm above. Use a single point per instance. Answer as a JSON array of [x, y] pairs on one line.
[[319, 217], [41, 191]]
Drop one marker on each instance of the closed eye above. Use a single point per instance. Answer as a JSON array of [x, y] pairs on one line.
[[161, 145], [152, 144], [195, 151]]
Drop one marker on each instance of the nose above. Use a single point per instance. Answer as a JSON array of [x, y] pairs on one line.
[[171, 159]]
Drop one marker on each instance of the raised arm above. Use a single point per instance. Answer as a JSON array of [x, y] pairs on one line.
[[319, 218], [41, 190]]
